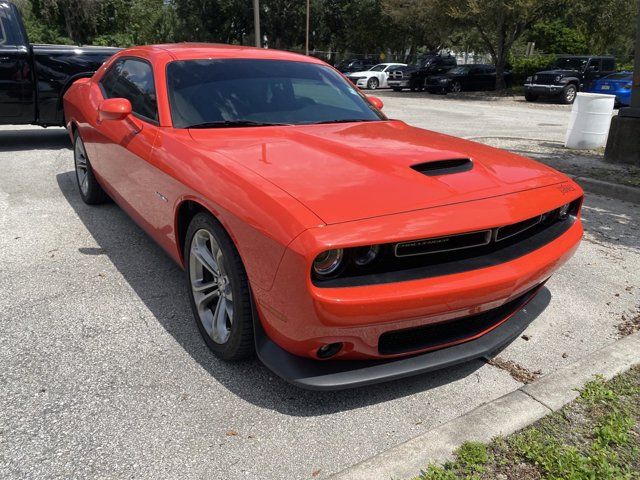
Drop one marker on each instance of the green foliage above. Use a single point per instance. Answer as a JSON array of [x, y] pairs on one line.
[[472, 456], [523, 67], [370, 27], [470, 462], [557, 37], [597, 392]]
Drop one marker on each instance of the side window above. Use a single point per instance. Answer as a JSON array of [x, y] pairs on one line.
[[594, 65], [132, 79], [3, 31], [608, 64]]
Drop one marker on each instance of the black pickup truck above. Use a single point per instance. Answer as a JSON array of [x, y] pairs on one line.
[[33, 78], [568, 75]]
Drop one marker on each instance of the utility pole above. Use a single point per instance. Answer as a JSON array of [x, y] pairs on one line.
[[307, 39], [623, 144], [256, 22]]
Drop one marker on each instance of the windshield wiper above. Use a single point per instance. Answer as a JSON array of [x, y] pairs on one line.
[[343, 120], [235, 123]]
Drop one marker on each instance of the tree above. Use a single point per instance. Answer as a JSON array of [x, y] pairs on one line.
[[422, 23], [500, 23]]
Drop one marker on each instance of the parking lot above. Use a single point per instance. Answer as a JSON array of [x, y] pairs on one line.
[[103, 372]]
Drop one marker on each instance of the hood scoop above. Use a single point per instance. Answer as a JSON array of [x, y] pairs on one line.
[[444, 167]]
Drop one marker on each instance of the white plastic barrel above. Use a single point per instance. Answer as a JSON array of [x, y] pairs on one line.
[[590, 121]]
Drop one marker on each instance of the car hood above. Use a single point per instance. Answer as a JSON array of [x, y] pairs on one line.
[[558, 72], [350, 171], [362, 73]]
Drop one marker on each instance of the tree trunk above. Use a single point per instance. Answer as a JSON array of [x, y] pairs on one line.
[[501, 61]]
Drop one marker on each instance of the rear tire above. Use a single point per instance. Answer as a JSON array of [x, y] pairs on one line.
[[530, 97], [90, 190], [218, 289]]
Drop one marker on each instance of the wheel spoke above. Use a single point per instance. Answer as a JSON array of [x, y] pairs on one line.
[[204, 300], [200, 285], [220, 330], [205, 258]]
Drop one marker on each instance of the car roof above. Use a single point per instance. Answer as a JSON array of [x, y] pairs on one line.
[[194, 51]]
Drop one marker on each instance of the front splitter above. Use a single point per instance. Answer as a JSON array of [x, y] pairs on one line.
[[313, 374]]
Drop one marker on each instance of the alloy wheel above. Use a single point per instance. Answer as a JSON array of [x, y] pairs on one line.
[[456, 87], [211, 286]]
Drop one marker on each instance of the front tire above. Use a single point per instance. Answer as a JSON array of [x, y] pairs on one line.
[[569, 94], [90, 190], [373, 83], [396, 89], [456, 87], [218, 289], [530, 97]]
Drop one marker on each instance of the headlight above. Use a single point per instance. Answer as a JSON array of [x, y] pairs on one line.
[[560, 79], [364, 256], [328, 263], [535, 77], [444, 80], [529, 79]]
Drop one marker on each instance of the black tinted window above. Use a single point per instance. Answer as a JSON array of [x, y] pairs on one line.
[[608, 64], [132, 79], [265, 91], [3, 32]]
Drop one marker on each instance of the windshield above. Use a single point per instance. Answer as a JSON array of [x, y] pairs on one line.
[[377, 68], [249, 92], [459, 70], [570, 64]]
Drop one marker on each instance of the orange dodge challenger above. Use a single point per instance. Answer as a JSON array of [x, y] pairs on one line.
[[343, 247]]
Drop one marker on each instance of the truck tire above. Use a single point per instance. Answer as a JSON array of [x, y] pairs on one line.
[[530, 97], [396, 89], [569, 93]]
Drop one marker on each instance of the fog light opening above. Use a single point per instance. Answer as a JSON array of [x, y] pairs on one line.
[[329, 350]]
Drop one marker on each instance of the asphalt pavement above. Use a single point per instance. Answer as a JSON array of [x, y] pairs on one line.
[[103, 373]]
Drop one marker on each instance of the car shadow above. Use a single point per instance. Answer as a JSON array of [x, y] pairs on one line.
[[160, 284], [34, 139]]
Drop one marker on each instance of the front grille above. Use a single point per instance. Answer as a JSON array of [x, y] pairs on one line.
[[451, 332], [396, 75], [443, 244], [545, 79], [439, 256]]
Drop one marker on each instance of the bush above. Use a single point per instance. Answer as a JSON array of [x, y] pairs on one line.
[[523, 67]]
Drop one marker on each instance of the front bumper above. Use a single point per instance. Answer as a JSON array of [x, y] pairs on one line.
[[398, 83], [338, 375], [543, 89]]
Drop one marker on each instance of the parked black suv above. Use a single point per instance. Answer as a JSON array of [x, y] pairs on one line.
[[355, 65], [568, 75], [414, 75]]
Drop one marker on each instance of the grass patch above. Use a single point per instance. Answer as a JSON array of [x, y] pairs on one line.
[[596, 437]]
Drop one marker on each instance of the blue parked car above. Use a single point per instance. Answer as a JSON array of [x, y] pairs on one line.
[[618, 84]]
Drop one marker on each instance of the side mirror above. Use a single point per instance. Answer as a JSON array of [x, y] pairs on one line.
[[114, 109], [375, 101]]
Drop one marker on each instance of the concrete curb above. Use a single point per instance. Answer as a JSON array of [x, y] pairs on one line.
[[608, 189], [501, 416]]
